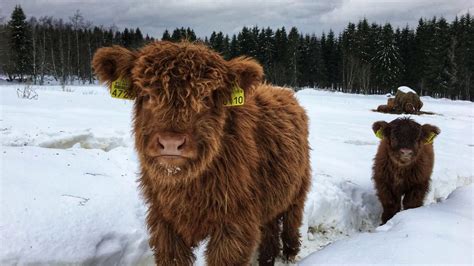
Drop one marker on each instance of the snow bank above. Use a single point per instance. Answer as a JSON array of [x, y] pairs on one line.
[[68, 169], [70, 206], [435, 234]]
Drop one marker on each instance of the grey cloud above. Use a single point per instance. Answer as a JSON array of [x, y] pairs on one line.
[[153, 17]]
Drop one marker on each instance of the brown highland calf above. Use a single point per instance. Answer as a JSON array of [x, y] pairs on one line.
[[403, 164], [387, 108], [237, 175]]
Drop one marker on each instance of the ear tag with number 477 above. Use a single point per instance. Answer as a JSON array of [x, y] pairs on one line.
[[237, 97], [122, 89]]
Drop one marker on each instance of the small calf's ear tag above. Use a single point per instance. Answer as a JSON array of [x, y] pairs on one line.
[[122, 89], [237, 97], [430, 138], [379, 133]]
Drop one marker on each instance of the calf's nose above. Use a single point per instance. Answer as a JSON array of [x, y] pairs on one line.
[[406, 152], [171, 144]]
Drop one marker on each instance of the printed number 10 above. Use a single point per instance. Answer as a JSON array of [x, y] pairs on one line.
[[239, 100]]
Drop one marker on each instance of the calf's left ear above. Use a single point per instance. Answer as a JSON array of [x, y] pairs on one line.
[[429, 133], [381, 129], [246, 72]]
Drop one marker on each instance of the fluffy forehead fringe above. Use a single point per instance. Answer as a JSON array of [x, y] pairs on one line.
[[180, 72]]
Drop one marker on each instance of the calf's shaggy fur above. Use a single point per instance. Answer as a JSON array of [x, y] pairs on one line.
[[403, 164], [237, 175]]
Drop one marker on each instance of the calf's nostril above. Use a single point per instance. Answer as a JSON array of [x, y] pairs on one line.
[[161, 146], [181, 146]]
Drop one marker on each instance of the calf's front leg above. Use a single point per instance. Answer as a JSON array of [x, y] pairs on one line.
[[232, 244], [390, 202], [168, 247], [414, 197]]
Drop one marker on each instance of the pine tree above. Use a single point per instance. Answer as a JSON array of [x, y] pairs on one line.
[[281, 58], [468, 66], [440, 62], [190, 35], [266, 44], [323, 80], [226, 48], [4, 49], [451, 72], [216, 41], [316, 63], [166, 36], [330, 57], [126, 38], [148, 39], [387, 61], [137, 39], [247, 42], [365, 42], [457, 54], [293, 53], [306, 61], [178, 35], [405, 41], [233, 47], [422, 54], [212, 40], [20, 45], [350, 61]]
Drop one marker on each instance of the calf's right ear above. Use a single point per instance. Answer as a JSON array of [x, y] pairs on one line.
[[380, 129], [247, 72], [111, 63], [429, 133]]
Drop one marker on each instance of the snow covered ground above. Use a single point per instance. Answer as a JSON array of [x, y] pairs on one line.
[[434, 234], [68, 192]]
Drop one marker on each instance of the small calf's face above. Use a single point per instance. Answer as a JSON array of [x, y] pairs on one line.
[[405, 138], [180, 93]]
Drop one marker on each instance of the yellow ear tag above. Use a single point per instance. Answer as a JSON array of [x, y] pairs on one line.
[[430, 138], [379, 133], [237, 98], [121, 89]]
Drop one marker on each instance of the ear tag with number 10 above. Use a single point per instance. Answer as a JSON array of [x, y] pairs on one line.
[[237, 97]]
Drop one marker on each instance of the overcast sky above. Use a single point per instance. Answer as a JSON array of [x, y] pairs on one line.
[[309, 16]]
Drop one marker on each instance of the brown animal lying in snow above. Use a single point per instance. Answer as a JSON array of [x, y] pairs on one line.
[[403, 164], [233, 174], [387, 108]]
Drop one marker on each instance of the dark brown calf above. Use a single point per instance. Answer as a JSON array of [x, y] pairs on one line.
[[403, 164], [237, 175], [387, 108], [384, 108]]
